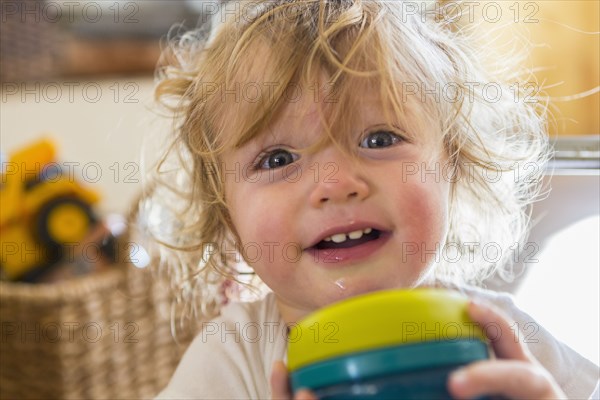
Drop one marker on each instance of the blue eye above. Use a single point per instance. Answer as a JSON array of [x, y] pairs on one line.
[[380, 139], [276, 159]]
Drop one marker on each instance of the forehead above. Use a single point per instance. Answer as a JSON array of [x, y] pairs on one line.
[[316, 109], [267, 95]]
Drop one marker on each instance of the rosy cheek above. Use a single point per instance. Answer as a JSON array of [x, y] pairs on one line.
[[424, 211], [262, 228], [264, 239]]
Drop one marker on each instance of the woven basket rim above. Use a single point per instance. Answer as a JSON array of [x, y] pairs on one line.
[[68, 289]]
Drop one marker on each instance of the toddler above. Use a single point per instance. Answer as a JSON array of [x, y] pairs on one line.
[[330, 148]]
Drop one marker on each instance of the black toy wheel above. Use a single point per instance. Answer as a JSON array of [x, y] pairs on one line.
[[64, 220]]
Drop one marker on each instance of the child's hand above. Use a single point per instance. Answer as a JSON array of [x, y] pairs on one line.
[[514, 374], [280, 386]]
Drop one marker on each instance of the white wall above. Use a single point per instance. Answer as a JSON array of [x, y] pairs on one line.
[[99, 124], [561, 287]]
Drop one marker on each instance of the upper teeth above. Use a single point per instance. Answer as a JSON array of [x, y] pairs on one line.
[[342, 237]]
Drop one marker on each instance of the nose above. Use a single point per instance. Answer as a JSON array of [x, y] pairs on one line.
[[337, 180]]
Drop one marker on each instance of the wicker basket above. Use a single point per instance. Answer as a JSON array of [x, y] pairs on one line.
[[102, 336]]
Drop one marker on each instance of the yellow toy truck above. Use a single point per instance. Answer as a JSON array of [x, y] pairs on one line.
[[42, 211]]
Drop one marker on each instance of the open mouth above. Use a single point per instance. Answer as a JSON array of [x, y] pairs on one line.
[[347, 240]]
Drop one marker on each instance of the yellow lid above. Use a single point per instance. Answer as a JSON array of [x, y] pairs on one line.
[[377, 320]]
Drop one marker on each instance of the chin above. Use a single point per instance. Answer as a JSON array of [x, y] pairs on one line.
[[390, 284], [350, 289]]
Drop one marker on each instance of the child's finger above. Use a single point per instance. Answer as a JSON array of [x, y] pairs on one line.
[[497, 327], [304, 394], [512, 379], [280, 388]]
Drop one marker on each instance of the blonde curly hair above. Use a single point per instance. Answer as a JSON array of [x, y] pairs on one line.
[[357, 44]]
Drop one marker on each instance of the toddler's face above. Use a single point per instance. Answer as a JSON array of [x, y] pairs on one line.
[[321, 227]]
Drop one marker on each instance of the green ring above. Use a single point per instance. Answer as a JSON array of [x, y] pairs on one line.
[[387, 361]]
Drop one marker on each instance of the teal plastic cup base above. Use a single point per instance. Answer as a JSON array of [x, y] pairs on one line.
[[416, 371], [420, 385]]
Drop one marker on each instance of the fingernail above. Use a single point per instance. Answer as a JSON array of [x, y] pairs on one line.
[[476, 304], [459, 377], [304, 394]]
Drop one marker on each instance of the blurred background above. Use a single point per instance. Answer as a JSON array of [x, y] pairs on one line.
[[81, 73]]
